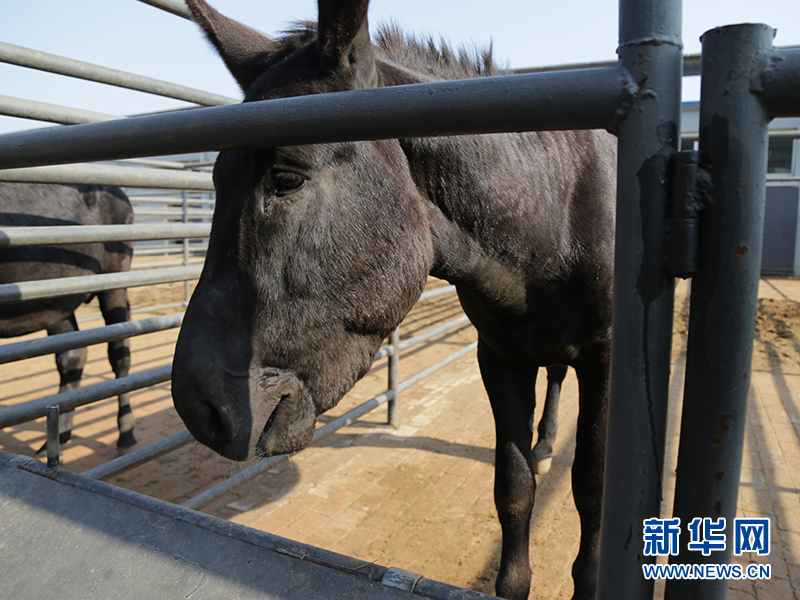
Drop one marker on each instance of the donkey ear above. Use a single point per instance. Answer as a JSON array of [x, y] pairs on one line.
[[244, 50], [344, 37]]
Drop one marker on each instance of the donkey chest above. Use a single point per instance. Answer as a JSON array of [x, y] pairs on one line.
[[552, 330]]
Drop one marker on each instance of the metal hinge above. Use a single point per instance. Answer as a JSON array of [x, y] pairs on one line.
[[682, 230]]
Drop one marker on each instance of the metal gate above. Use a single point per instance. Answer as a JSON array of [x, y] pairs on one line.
[[678, 214]]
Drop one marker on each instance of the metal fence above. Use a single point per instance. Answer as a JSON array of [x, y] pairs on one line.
[[173, 203], [745, 83]]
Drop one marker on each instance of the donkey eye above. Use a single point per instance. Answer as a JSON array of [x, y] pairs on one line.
[[287, 182]]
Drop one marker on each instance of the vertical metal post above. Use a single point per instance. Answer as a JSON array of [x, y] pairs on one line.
[[651, 50], [186, 286], [53, 440], [733, 147], [394, 378]]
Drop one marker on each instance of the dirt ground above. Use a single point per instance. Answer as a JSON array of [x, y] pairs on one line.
[[419, 497]]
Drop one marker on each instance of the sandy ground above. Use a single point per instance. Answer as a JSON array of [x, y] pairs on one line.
[[419, 496]]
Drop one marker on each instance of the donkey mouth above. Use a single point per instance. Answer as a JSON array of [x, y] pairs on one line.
[[290, 426]]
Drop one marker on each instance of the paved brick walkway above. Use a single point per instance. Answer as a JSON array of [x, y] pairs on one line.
[[419, 497]]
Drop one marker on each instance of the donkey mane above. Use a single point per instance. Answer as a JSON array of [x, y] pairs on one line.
[[424, 56], [437, 60]]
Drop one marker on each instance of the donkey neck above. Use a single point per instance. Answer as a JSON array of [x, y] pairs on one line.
[[499, 211], [510, 214]]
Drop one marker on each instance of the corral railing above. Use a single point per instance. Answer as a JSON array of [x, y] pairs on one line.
[[173, 197], [746, 82]]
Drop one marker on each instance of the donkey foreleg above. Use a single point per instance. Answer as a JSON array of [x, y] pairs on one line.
[[511, 390], [548, 425], [587, 468]]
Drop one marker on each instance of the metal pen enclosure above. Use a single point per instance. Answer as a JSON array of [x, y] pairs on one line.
[[746, 82]]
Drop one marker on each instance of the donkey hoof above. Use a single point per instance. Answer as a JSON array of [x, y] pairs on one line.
[[126, 441], [542, 466]]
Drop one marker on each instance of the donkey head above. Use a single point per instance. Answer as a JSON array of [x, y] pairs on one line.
[[316, 252]]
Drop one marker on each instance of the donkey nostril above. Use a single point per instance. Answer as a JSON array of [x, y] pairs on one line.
[[218, 431], [215, 427]]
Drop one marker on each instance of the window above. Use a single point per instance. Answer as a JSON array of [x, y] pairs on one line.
[[780, 156]]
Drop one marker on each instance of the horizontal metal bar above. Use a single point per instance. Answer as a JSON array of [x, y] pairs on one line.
[[423, 337], [52, 63], [384, 352], [583, 99], [80, 339], [28, 411], [157, 203], [230, 484], [160, 164], [179, 9], [781, 83], [138, 457], [430, 295], [167, 219], [83, 234], [172, 209], [414, 379], [89, 174], [600, 64], [144, 201], [389, 350], [176, 7], [781, 134], [138, 311], [691, 65], [173, 195], [167, 251], [198, 261], [150, 309], [65, 286], [432, 333], [346, 419], [159, 250], [52, 113], [171, 214]]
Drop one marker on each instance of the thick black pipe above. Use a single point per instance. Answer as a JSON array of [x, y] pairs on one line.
[[733, 148], [781, 82], [650, 48], [583, 99]]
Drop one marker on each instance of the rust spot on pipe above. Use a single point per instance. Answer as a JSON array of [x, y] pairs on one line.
[[723, 422], [740, 251], [718, 476], [718, 508], [716, 442]]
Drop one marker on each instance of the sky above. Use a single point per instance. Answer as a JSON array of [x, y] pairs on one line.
[[132, 36]]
